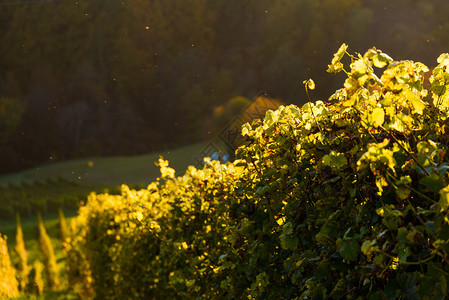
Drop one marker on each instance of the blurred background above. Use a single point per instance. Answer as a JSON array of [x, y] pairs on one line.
[[93, 78]]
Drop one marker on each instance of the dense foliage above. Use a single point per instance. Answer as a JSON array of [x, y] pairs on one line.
[[342, 199], [173, 231], [85, 78]]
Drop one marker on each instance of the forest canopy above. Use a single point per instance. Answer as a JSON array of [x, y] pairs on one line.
[[85, 78]]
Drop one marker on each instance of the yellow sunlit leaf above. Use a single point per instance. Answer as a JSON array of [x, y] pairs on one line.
[[310, 84], [359, 66], [377, 117], [335, 68], [341, 51], [443, 59], [139, 216], [381, 60], [349, 102], [417, 104]]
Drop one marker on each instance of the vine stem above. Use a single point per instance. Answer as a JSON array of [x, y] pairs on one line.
[[310, 105], [406, 262]]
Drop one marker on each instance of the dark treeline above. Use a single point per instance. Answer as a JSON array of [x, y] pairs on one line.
[[95, 77]]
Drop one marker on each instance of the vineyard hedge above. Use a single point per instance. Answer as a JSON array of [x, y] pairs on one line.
[[343, 199]]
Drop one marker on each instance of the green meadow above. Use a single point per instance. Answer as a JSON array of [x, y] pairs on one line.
[[106, 171]]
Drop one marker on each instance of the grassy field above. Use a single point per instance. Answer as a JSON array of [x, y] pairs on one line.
[[50, 186], [107, 171]]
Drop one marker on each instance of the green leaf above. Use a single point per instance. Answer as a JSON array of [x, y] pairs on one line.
[[287, 229], [327, 160], [402, 234], [336, 66], [377, 157], [270, 120], [426, 146], [425, 150], [379, 260], [334, 160], [327, 234], [350, 249], [404, 254], [322, 269], [288, 242], [368, 248], [403, 187], [433, 182], [404, 180], [390, 216]]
